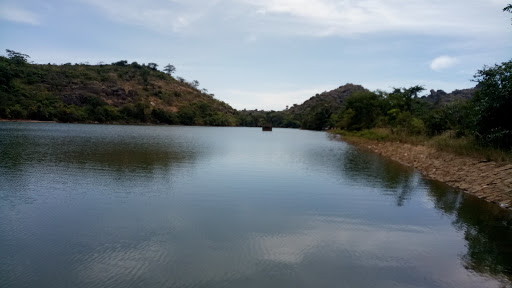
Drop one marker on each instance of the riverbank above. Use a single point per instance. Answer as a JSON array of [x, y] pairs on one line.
[[26, 120], [489, 180]]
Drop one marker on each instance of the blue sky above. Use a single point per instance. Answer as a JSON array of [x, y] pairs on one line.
[[267, 54]]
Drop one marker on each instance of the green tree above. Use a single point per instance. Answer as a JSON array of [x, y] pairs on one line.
[[152, 66], [169, 69], [361, 111], [17, 57], [492, 105], [161, 116], [187, 115], [403, 98], [508, 8], [317, 118], [120, 63]]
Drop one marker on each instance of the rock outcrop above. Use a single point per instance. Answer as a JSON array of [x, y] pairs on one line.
[[440, 97]]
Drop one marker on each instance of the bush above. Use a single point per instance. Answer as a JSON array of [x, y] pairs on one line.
[[162, 116], [16, 112], [436, 123], [71, 113]]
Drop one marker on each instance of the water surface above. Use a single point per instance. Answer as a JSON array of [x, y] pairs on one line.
[[139, 206]]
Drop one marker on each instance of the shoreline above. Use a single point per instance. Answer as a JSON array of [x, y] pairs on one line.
[[488, 180], [26, 121]]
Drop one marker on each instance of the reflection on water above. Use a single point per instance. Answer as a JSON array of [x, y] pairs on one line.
[[134, 206], [486, 227], [397, 181]]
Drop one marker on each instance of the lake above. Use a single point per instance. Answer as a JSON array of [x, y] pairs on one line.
[[165, 206]]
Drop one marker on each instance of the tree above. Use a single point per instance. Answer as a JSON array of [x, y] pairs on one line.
[[402, 98], [16, 57], [361, 111], [508, 8], [169, 69], [195, 83], [120, 63], [492, 105], [152, 65]]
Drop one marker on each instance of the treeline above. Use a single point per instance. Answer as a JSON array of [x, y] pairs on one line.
[[485, 117], [120, 92]]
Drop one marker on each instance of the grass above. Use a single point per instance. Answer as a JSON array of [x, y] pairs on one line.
[[467, 146], [464, 146]]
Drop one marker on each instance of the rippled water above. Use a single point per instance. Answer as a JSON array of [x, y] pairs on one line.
[[138, 206]]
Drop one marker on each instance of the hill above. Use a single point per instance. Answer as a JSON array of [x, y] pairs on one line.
[[115, 93], [334, 99], [315, 112]]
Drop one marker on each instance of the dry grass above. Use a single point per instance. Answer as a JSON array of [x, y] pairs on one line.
[[447, 142], [467, 146]]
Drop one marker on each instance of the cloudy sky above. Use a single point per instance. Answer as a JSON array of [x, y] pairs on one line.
[[267, 54]]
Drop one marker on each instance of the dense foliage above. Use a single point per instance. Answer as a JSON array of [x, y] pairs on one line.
[[492, 106]]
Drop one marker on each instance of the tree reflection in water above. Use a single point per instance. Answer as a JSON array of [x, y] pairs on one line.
[[487, 228]]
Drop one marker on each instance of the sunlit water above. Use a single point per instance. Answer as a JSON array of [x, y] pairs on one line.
[[138, 206]]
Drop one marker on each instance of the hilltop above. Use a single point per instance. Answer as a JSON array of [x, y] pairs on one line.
[[112, 93], [334, 99]]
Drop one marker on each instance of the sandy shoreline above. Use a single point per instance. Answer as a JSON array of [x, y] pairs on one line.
[[488, 180]]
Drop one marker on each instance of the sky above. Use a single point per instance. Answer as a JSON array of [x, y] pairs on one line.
[[269, 54]]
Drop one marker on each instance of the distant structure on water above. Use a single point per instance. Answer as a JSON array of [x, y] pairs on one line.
[[266, 127]]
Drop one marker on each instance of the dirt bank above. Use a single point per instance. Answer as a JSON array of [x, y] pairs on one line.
[[487, 180]]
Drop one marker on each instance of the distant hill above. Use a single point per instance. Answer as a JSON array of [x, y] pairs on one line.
[[315, 112], [334, 99], [114, 93]]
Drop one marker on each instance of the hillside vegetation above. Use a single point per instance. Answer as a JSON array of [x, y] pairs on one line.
[[114, 93]]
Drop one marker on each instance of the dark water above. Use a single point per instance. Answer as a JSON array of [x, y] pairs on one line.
[[133, 206]]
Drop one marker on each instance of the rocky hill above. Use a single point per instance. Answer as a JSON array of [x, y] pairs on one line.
[[315, 112], [118, 92], [440, 97], [334, 99]]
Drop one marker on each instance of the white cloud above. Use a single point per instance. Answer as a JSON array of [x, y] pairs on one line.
[[162, 16], [15, 14], [317, 18], [443, 62], [333, 17]]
